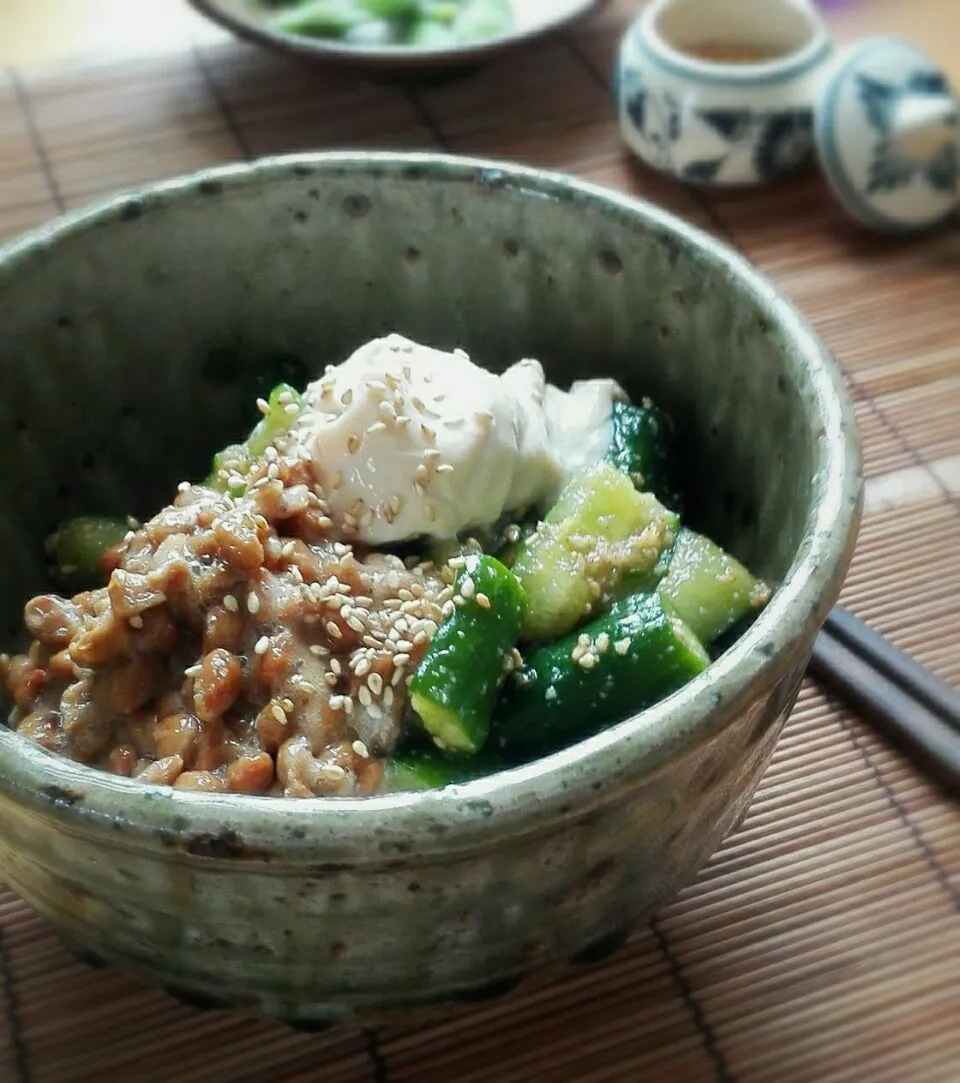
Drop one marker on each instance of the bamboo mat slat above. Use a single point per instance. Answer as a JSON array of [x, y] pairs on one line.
[[823, 941]]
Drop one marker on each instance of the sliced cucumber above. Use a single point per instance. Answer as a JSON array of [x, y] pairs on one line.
[[708, 588], [631, 657], [431, 769], [643, 446], [455, 687], [600, 531]]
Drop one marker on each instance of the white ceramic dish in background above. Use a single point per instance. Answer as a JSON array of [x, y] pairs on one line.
[[533, 19], [718, 119]]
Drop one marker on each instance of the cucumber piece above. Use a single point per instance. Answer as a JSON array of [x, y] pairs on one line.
[[283, 409], [320, 19], [426, 34], [455, 687], [631, 657], [643, 446], [391, 9], [78, 546], [432, 769], [480, 19], [600, 531], [708, 588]]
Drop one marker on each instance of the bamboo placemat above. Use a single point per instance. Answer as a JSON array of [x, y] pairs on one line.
[[823, 941]]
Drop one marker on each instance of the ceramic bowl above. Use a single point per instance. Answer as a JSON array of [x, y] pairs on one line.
[[125, 331], [250, 20]]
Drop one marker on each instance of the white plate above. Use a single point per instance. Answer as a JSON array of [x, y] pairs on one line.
[[532, 18]]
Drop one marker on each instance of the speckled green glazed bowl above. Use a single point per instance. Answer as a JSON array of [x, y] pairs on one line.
[[123, 333]]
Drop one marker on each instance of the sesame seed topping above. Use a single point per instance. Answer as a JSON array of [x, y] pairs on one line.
[[386, 409], [263, 406], [291, 409], [483, 601], [318, 651], [375, 681], [230, 603], [445, 468], [375, 710], [377, 426], [335, 666], [288, 550], [136, 621], [332, 772], [353, 443], [364, 695], [183, 487], [333, 630], [587, 661], [192, 671], [278, 713], [347, 397], [622, 646], [467, 587], [253, 604], [428, 434], [400, 659], [361, 750]]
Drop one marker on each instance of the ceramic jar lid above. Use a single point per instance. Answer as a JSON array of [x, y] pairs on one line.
[[887, 130]]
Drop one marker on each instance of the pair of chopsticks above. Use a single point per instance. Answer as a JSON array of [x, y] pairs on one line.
[[902, 699]]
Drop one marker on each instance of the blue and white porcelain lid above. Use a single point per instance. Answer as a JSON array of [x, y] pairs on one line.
[[888, 135]]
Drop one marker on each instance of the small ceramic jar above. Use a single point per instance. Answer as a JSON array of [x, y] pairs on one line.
[[722, 92]]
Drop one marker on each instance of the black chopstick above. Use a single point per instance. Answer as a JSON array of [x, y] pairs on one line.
[[893, 709], [900, 668]]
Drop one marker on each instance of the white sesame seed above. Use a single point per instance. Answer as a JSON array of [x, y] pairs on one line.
[[262, 645], [192, 671], [278, 713], [331, 772], [335, 666], [263, 406], [482, 600], [377, 426], [467, 587], [362, 667], [603, 642], [330, 679], [361, 750], [318, 651], [446, 610], [284, 397], [404, 646], [445, 468], [363, 694], [288, 550], [347, 397], [622, 646], [551, 694], [292, 409], [375, 710], [356, 624], [183, 487], [385, 409], [430, 454], [336, 703], [333, 630], [397, 676], [400, 659], [253, 603], [230, 603], [375, 681], [287, 704], [588, 660], [136, 621], [403, 419], [347, 705], [428, 434], [129, 536]]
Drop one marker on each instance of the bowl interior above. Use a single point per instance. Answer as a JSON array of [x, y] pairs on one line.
[[127, 340]]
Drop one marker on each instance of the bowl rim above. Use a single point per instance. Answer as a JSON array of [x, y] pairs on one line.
[[537, 796], [399, 57]]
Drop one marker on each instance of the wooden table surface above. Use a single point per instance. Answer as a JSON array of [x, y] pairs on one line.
[[822, 943]]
